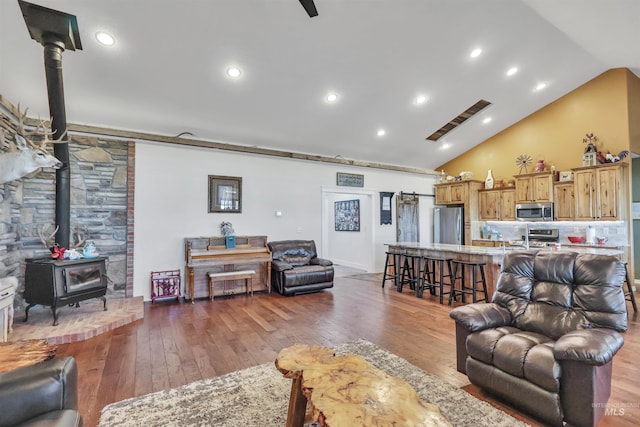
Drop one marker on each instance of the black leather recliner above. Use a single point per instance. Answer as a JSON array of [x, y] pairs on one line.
[[546, 342], [45, 394], [296, 268]]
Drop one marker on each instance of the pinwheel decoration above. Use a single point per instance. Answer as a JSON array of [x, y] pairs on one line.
[[523, 162]]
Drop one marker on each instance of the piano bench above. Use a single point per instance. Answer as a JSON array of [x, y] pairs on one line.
[[231, 275]]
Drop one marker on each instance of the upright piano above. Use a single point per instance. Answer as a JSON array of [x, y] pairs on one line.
[[205, 255]]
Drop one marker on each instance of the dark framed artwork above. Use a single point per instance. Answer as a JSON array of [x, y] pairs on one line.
[[347, 214], [225, 194], [385, 207]]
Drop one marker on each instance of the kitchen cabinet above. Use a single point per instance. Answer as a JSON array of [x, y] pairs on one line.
[[489, 205], [508, 204], [600, 192], [497, 204], [564, 201], [487, 243], [535, 187], [451, 193]]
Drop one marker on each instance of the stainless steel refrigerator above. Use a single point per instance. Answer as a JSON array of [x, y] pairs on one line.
[[448, 225]]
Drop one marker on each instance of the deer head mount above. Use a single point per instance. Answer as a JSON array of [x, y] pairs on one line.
[[29, 156]]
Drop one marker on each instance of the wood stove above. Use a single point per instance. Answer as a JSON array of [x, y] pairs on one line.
[[54, 283]]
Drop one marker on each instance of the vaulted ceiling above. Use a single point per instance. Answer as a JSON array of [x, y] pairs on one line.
[[166, 72]]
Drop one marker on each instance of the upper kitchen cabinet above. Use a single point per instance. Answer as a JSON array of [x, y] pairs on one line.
[[508, 204], [600, 192], [454, 193], [535, 187], [497, 204], [489, 205], [564, 201]]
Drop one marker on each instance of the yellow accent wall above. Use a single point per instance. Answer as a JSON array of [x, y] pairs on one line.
[[603, 106]]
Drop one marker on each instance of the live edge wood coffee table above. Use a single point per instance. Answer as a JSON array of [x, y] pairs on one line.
[[349, 391]]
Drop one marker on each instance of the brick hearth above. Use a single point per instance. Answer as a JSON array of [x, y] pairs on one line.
[[77, 324]]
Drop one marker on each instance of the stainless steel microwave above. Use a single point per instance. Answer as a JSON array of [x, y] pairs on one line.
[[534, 211]]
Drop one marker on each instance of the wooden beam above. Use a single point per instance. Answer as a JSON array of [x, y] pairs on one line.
[[127, 134]]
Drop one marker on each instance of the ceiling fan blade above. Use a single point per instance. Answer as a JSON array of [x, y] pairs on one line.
[[310, 7]]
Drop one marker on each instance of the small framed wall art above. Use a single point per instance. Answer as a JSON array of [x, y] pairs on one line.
[[347, 214], [349, 179], [225, 194]]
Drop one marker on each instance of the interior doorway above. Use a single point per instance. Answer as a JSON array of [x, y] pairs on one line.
[[349, 248]]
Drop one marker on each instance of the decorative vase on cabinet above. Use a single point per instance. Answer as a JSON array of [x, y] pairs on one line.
[[488, 182]]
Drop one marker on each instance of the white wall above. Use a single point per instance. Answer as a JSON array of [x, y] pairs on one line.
[[348, 248], [171, 187]]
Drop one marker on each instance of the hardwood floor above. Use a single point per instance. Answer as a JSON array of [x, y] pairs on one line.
[[179, 343]]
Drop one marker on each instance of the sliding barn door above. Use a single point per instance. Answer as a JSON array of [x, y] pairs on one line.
[[407, 223]]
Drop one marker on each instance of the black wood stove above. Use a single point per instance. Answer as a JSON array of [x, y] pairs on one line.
[[54, 283]]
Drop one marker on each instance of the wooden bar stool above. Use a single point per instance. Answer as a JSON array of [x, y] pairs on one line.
[[409, 274], [471, 288], [628, 294], [441, 263], [426, 276], [391, 261]]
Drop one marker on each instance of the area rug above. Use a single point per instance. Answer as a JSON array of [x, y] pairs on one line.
[[259, 396]]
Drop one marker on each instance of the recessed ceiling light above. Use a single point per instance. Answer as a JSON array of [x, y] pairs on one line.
[[445, 146], [234, 72], [475, 53], [421, 99], [332, 97], [487, 120], [511, 71], [381, 132], [541, 86], [105, 38]]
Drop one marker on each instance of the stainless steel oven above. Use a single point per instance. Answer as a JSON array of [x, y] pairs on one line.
[[534, 211]]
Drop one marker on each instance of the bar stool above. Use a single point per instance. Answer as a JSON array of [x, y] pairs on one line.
[[438, 269], [391, 261], [426, 276], [468, 288], [628, 294], [409, 274]]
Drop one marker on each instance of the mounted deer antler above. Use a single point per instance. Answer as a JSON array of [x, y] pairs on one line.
[[79, 237], [30, 156], [47, 238]]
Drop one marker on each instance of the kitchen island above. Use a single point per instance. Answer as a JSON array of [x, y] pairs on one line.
[[491, 256]]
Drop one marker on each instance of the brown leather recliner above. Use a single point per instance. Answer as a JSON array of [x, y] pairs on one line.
[[546, 342], [296, 268]]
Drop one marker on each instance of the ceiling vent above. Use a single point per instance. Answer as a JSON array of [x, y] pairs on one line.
[[457, 121]]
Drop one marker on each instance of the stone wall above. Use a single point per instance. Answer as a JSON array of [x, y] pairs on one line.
[[100, 207]]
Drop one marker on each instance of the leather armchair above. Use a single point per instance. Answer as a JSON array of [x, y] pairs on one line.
[[546, 342], [296, 268], [44, 394]]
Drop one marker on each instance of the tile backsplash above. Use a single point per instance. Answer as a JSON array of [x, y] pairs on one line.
[[615, 231]]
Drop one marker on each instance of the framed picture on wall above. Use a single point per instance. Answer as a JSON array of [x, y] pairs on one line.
[[225, 194], [385, 207], [347, 215]]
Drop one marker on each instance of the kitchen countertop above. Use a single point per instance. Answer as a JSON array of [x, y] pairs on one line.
[[493, 251]]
